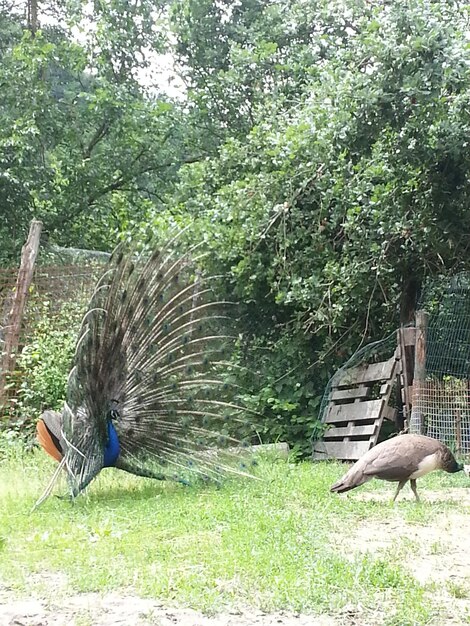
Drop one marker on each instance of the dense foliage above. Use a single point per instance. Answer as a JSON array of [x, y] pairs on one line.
[[321, 150], [332, 210], [81, 146], [41, 370]]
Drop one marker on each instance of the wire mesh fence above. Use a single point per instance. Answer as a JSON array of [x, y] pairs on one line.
[[52, 286], [441, 401], [441, 392], [56, 301]]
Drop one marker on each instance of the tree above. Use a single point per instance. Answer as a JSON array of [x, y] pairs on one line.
[[237, 56], [83, 146], [329, 215]]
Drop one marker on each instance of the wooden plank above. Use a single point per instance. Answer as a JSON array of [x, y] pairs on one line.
[[406, 345], [402, 374], [371, 409], [345, 450], [407, 335], [350, 431], [390, 413], [385, 389], [355, 393], [366, 373], [319, 451]]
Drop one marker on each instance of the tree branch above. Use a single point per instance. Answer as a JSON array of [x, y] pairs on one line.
[[121, 181], [99, 134]]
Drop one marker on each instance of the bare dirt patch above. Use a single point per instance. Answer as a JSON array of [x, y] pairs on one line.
[[437, 554], [112, 609]]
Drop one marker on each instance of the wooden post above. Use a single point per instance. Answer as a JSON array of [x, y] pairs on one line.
[[15, 316], [419, 377], [406, 339]]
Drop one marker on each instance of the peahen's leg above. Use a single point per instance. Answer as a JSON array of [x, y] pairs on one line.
[[413, 489], [401, 484]]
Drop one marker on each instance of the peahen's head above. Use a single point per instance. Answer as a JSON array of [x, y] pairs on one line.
[[449, 462], [456, 467]]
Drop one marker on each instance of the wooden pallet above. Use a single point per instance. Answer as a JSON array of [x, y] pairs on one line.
[[357, 407]]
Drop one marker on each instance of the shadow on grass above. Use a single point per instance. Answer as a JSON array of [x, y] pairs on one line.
[[147, 490]]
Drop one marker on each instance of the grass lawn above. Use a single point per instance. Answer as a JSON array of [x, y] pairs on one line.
[[282, 542]]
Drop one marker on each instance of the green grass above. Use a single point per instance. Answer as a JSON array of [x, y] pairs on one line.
[[283, 542]]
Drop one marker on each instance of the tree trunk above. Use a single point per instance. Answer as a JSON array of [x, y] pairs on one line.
[[33, 16], [409, 299], [25, 276]]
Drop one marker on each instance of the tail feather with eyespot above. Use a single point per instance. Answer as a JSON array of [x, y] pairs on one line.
[[148, 391]]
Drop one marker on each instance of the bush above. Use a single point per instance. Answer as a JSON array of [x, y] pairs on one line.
[[286, 395], [42, 367]]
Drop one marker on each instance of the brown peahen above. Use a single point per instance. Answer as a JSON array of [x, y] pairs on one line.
[[149, 389], [400, 459]]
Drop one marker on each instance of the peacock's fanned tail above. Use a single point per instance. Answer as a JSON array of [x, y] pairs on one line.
[[150, 367]]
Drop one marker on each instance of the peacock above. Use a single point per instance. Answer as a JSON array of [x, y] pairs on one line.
[[151, 388]]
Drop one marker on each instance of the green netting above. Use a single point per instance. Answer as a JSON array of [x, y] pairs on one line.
[[447, 302], [375, 352], [441, 402], [57, 255]]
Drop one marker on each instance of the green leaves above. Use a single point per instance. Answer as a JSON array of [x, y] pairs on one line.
[[79, 135], [324, 205], [43, 364]]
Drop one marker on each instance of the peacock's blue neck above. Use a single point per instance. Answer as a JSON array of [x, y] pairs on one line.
[[113, 448]]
